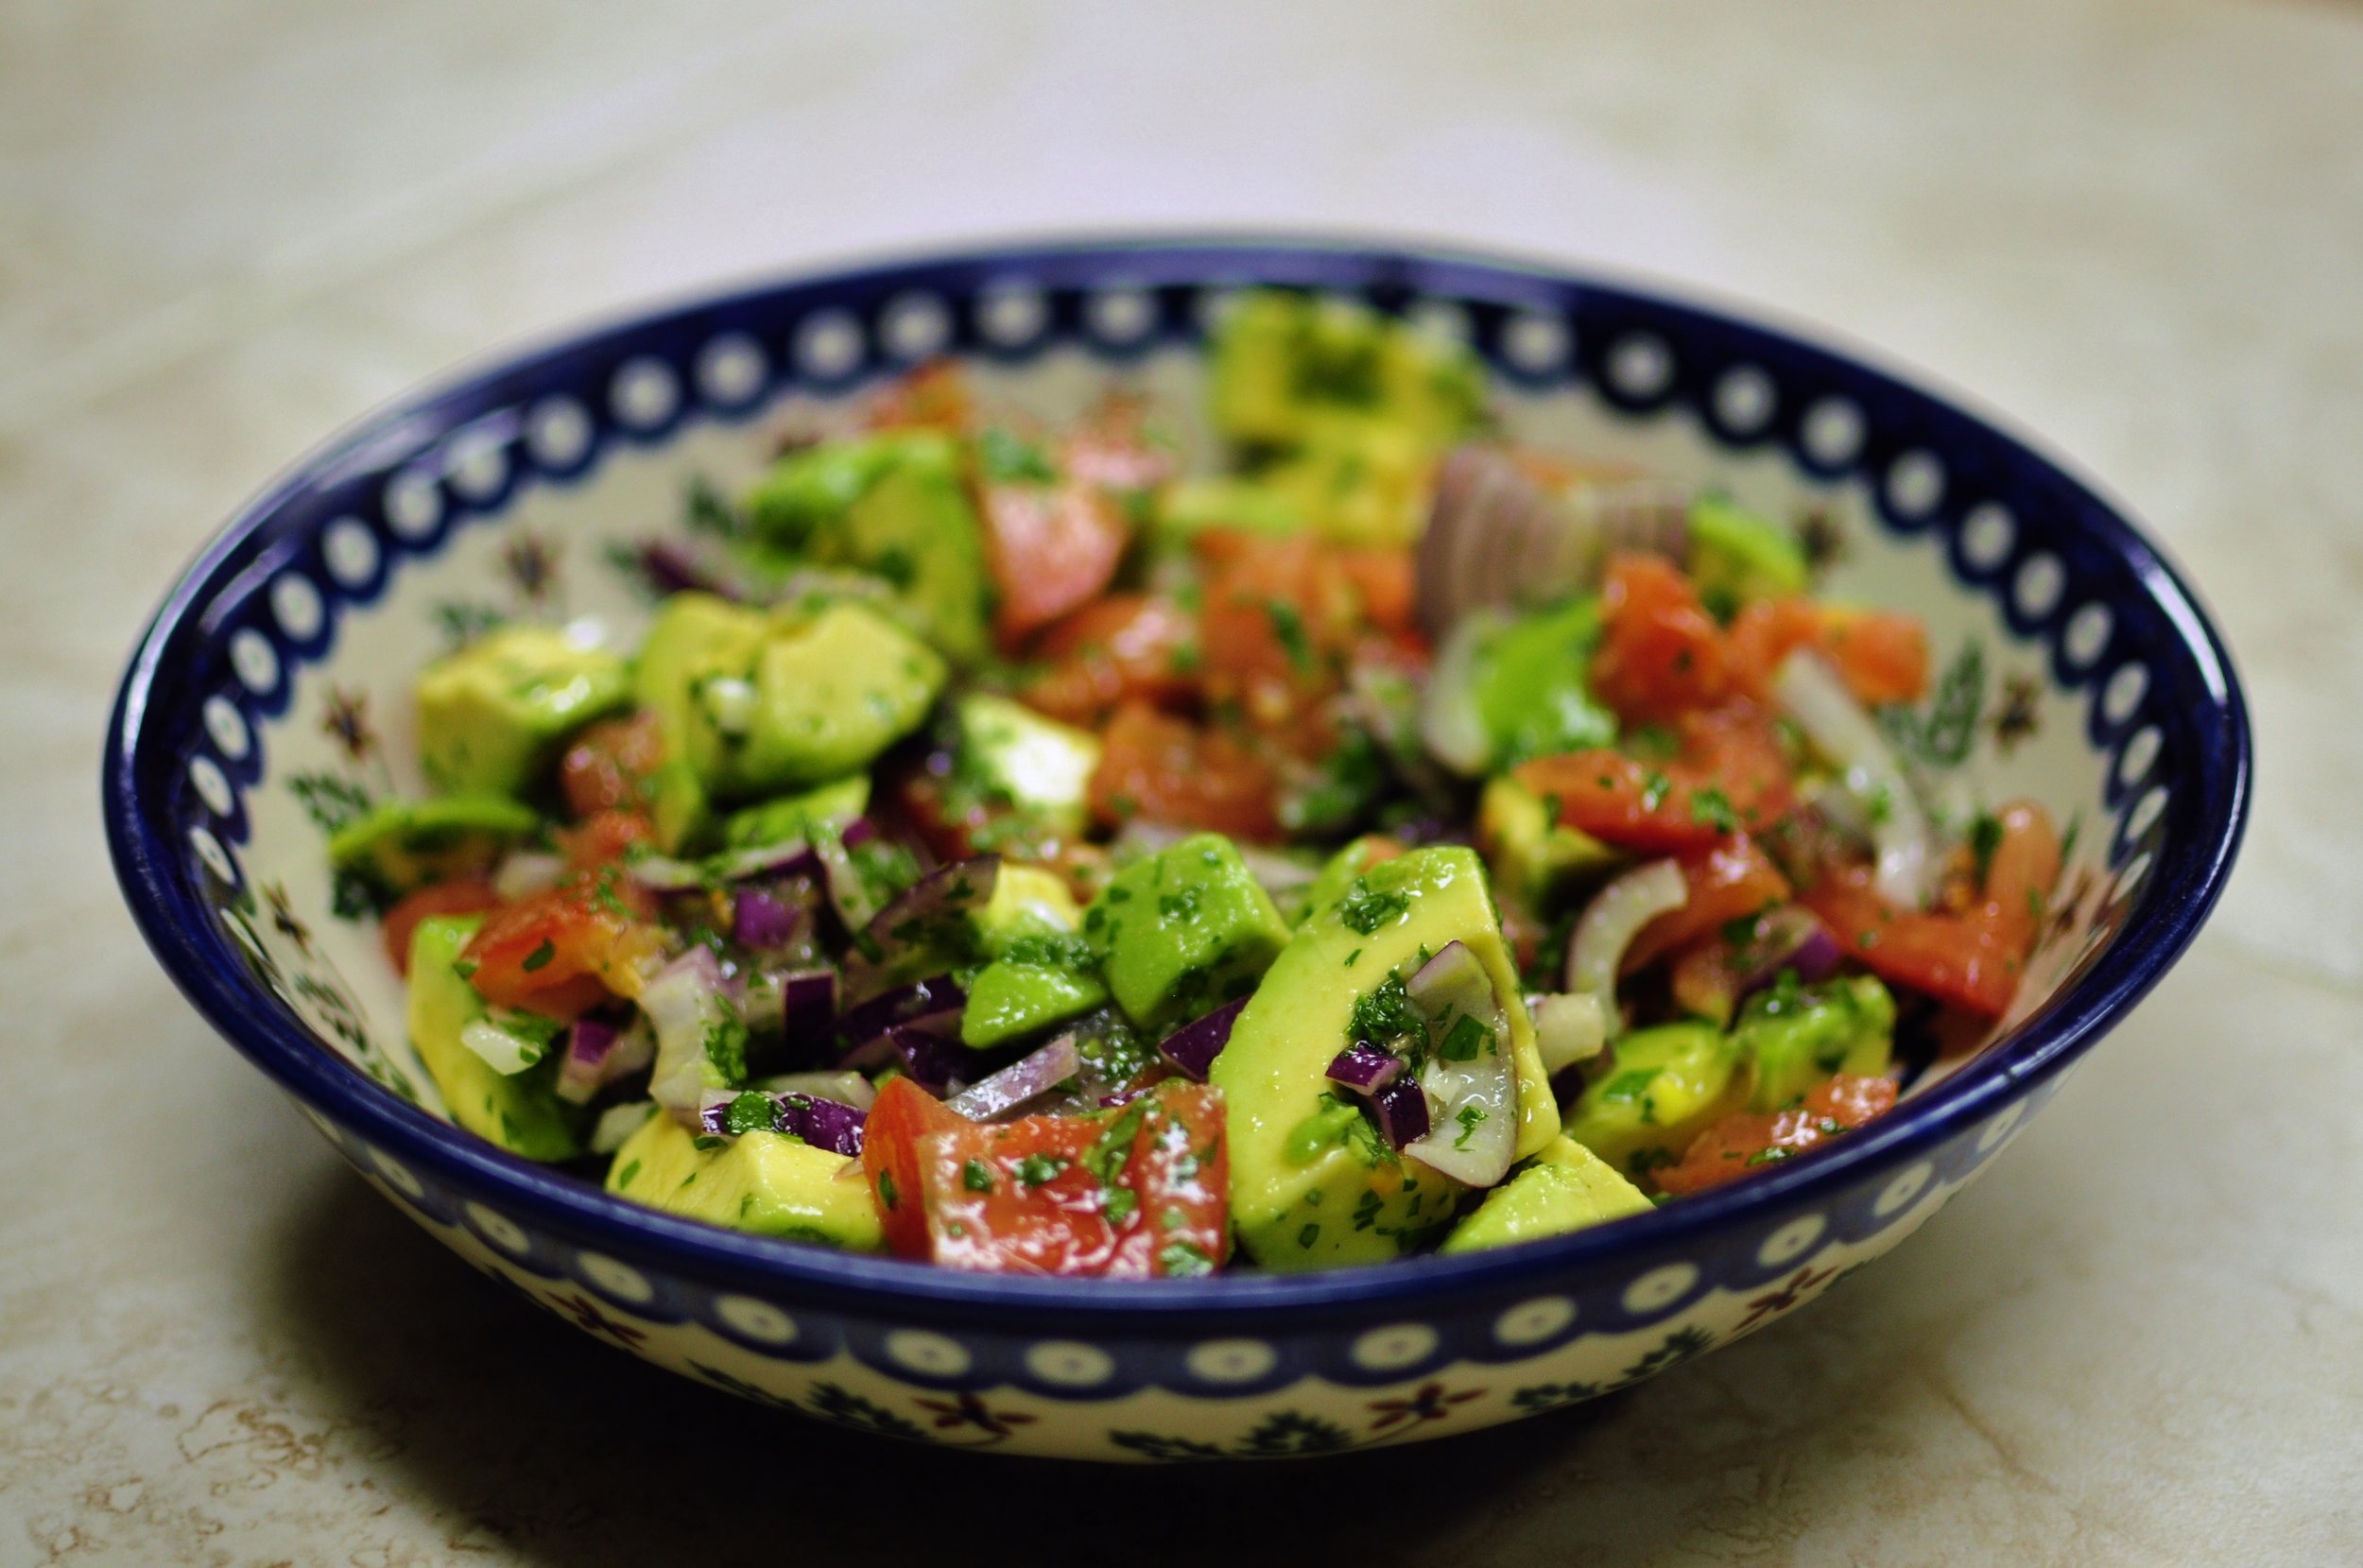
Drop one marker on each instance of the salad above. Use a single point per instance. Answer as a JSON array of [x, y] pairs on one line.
[[1009, 851]]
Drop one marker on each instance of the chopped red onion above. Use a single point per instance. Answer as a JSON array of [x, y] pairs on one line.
[[685, 1004], [931, 1005], [848, 1088], [1022, 1083], [1569, 1028], [1474, 1090], [1402, 1112], [761, 921], [1453, 978], [1450, 726], [943, 895], [1813, 693], [1614, 916], [582, 1069], [936, 1064], [850, 893], [822, 1123], [1193, 1047], [807, 1002], [1365, 1068]]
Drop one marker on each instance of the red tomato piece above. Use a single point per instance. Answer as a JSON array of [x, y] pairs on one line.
[[1123, 647], [1281, 617], [465, 895], [1168, 769], [902, 1115], [566, 950], [605, 838], [1731, 879], [1137, 1193], [1706, 975], [1661, 653], [1387, 587], [1728, 773], [1882, 656], [1745, 1141], [1051, 549], [606, 767]]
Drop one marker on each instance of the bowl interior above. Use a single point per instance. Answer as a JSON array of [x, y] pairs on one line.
[[272, 701]]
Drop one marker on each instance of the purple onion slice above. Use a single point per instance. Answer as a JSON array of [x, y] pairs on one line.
[[1469, 1079], [1613, 918], [936, 1064], [1365, 1068], [918, 917], [1193, 1047], [1402, 1112], [1569, 1028], [932, 1007], [1019, 1085], [761, 921]]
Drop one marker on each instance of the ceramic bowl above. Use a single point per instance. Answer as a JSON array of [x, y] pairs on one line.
[[270, 695]]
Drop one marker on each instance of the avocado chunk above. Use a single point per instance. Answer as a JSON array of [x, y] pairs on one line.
[[1312, 1184], [825, 809], [1184, 931], [1027, 900], [1566, 1187], [830, 695], [1796, 1037], [1529, 689], [407, 844], [1190, 507], [766, 1183], [698, 640], [519, 1112], [1666, 1085], [1537, 863], [1041, 972], [1337, 873], [492, 715], [1011, 759], [1736, 557], [895, 506]]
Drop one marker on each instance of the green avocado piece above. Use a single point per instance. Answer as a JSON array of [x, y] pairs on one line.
[[1797, 1037], [1736, 557], [1312, 1184], [896, 505], [1184, 931], [1190, 507], [825, 809], [519, 1112], [1339, 872], [1566, 1187], [407, 844], [491, 714], [1027, 900], [766, 1183], [829, 697], [1011, 759], [1665, 1086], [1042, 981], [1537, 863], [698, 640], [1529, 689]]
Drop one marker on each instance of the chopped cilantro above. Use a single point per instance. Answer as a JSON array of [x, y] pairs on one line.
[[1364, 909], [1471, 1118], [1037, 1168], [1462, 1041], [1009, 458], [540, 957], [1655, 786], [1710, 807], [751, 1112], [976, 1176], [1183, 1259]]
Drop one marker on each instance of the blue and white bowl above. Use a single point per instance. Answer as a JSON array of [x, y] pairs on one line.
[[270, 694]]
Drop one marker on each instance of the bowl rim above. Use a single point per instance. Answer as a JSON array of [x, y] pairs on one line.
[[2181, 889]]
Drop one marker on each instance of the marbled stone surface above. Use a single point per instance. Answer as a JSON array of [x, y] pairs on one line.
[[2134, 225]]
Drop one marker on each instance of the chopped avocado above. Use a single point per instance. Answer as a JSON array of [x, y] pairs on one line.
[[519, 1112], [407, 844], [1040, 981], [1736, 557], [491, 714], [1567, 1187], [1529, 689], [833, 694], [1337, 873], [1665, 1086], [825, 809], [696, 640], [1796, 1037], [1184, 931], [1010, 757], [893, 505], [1026, 901], [1190, 507], [1312, 1184], [1536, 862], [766, 1183]]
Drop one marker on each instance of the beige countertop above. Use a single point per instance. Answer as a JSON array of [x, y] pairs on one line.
[[2136, 227]]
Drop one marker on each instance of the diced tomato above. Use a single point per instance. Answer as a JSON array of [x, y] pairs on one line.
[[1051, 549], [1111, 449], [1973, 961], [1707, 974], [1136, 1193], [1882, 656], [1281, 616], [932, 397], [604, 839], [1661, 653], [465, 895], [902, 1115], [1168, 769], [1123, 647], [1388, 586], [1745, 1141], [606, 767], [566, 950], [1728, 773], [1729, 881]]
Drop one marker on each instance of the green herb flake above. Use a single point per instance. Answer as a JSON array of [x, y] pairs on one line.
[[976, 1176], [1464, 1040], [540, 957], [1182, 1258], [1710, 807]]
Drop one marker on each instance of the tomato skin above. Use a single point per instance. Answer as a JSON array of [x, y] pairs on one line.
[[1661, 653], [1123, 647], [1051, 549], [565, 950], [1724, 1151], [1023, 1197], [1281, 620], [1387, 585], [605, 838], [464, 895], [902, 1115], [1881, 655], [1731, 879], [1168, 769], [608, 766], [1973, 961], [1621, 801]]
